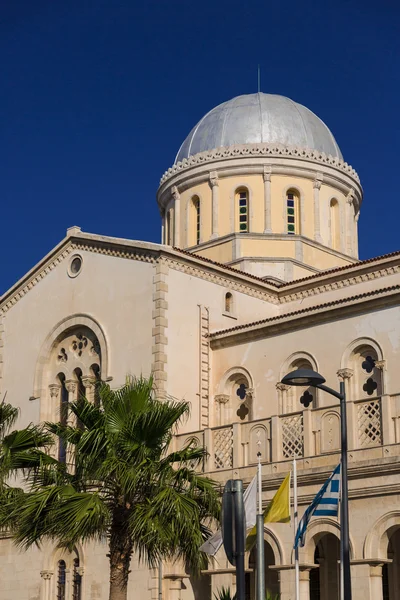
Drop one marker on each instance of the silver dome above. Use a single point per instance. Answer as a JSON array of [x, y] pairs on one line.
[[259, 118]]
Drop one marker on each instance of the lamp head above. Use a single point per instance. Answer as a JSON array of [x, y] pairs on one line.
[[304, 377]]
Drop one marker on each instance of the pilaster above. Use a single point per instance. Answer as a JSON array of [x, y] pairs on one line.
[[45, 588], [267, 199], [214, 183], [350, 222], [177, 215], [317, 209]]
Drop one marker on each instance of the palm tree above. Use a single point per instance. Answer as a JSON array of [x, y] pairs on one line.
[[20, 451], [122, 482]]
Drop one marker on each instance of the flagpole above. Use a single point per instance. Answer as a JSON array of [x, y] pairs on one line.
[[260, 537], [295, 520], [341, 573]]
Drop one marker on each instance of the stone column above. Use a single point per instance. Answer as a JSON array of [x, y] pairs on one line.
[[366, 579], [177, 215], [89, 384], [53, 412], [350, 223], [282, 392], [267, 200], [317, 209], [287, 582], [375, 576], [346, 375], [45, 588], [221, 400], [214, 190]]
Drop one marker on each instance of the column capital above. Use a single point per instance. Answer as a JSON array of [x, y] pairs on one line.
[[80, 570], [54, 390], [345, 373], [317, 184], [88, 381], [46, 574], [221, 398], [213, 178], [70, 384], [175, 193], [267, 173], [282, 387], [380, 364], [350, 196]]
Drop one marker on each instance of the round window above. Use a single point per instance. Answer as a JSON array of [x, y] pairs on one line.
[[75, 266]]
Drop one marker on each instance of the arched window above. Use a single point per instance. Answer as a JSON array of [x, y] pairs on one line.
[[228, 302], [61, 576], [242, 203], [335, 223], [77, 581], [292, 212], [235, 404], [196, 219]]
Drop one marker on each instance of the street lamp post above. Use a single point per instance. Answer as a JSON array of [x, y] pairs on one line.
[[307, 377]]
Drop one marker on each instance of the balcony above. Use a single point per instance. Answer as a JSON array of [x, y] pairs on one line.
[[312, 435]]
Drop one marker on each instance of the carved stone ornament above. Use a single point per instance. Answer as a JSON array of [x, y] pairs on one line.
[[282, 387], [350, 197], [80, 571], [380, 364], [318, 181], [88, 382], [174, 193], [54, 390], [345, 373], [70, 384], [214, 179], [222, 398], [46, 574], [267, 173], [267, 149]]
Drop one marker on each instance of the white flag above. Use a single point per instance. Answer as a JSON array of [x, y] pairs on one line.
[[214, 543]]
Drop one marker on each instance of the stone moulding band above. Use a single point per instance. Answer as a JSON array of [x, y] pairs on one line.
[[259, 150]]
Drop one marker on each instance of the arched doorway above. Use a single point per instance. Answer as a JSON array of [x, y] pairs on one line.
[[325, 579], [271, 575], [391, 571]]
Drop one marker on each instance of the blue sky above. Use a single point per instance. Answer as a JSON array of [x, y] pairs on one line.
[[97, 97]]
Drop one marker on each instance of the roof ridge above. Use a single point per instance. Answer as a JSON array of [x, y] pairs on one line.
[[306, 310]]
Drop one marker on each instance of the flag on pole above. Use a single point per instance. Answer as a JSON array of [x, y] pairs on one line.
[[325, 504], [214, 543], [277, 511]]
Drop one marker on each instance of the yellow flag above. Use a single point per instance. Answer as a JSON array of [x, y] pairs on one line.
[[277, 511]]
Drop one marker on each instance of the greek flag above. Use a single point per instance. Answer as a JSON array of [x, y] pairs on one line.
[[325, 504]]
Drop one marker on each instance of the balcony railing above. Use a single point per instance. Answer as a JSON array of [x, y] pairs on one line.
[[309, 433]]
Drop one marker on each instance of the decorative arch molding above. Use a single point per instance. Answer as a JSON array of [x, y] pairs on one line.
[[277, 547], [232, 196], [234, 371], [377, 540], [357, 343], [63, 327], [300, 355], [299, 190], [315, 531], [53, 555]]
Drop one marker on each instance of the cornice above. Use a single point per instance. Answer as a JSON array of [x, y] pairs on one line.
[[305, 317], [277, 151]]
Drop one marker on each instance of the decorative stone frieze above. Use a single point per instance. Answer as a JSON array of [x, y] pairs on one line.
[[259, 150]]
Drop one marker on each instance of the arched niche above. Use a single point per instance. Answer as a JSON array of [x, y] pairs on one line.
[[259, 441], [234, 400], [289, 396], [75, 349], [330, 431]]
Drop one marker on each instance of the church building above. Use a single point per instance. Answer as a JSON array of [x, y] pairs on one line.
[[257, 274]]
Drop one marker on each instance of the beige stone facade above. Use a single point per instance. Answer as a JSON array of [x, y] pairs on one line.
[[220, 314]]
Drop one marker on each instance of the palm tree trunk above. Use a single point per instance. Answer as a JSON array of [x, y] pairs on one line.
[[120, 559]]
